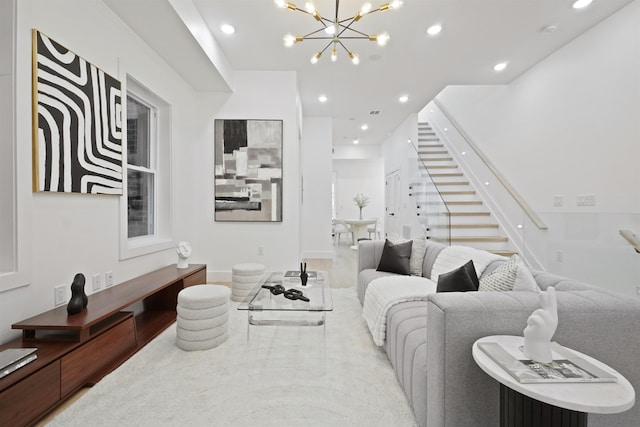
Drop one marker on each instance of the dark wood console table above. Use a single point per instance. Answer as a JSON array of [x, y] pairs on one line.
[[78, 350]]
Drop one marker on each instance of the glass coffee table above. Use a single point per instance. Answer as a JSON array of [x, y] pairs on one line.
[[280, 299], [281, 314]]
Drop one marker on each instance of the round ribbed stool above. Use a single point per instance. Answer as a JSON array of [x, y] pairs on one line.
[[244, 279], [203, 317]]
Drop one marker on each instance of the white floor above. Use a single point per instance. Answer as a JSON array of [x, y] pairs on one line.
[[341, 268]]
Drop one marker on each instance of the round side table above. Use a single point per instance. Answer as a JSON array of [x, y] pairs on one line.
[[552, 404]]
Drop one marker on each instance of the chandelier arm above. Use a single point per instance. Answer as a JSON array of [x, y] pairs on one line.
[[346, 27], [325, 48], [344, 47], [355, 31], [315, 32]]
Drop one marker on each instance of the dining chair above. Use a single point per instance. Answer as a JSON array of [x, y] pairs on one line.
[[338, 228], [374, 230]]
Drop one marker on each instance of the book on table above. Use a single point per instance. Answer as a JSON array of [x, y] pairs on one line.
[[12, 359], [566, 367], [296, 273]]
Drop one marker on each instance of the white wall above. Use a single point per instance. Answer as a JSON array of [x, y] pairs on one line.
[[364, 176], [316, 170], [398, 153], [69, 233], [569, 127], [257, 95], [64, 234]]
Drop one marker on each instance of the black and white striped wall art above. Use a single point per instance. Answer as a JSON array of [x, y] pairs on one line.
[[77, 129], [248, 170]]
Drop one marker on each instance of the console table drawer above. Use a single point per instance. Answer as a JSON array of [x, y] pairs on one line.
[[26, 400], [198, 278], [84, 362]]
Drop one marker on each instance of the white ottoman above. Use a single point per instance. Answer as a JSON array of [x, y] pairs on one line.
[[203, 314], [244, 279]]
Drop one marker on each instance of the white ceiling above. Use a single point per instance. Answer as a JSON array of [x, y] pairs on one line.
[[477, 34]]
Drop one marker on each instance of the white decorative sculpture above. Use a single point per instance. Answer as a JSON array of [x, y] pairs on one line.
[[541, 326], [184, 250]]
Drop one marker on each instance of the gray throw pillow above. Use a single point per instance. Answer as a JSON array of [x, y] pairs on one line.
[[395, 258], [462, 279]]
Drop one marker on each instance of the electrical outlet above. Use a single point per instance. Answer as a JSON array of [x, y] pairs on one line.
[[559, 256], [97, 283], [558, 201], [586, 200], [59, 294], [260, 250], [108, 279]]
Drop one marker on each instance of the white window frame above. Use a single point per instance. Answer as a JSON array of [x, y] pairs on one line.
[[15, 259], [160, 152]]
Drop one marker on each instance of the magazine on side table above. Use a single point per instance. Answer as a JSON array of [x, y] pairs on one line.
[[566, 366]]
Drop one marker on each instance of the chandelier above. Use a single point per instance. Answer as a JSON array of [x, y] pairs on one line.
[[337, 30]]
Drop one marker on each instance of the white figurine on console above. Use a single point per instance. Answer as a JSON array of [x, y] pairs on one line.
[[184, 250], [541, 326]]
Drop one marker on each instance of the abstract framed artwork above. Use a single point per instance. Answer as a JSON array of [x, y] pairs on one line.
[[248, 170], [77, 123]]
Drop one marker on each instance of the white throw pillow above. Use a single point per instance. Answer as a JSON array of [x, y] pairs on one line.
[[513, 275], [418, 250]]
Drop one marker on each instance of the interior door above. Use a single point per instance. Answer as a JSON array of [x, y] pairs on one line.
[[392, 203]]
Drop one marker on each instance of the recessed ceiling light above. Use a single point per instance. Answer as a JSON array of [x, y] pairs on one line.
[[434, 29], [364, 126], [580, 4], [227, 29], [322, 98], [403, 98], [500, 66], [355, 141], [549, 28]]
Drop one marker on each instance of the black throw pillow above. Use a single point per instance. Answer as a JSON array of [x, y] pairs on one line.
[[395, 258], [462, 279]]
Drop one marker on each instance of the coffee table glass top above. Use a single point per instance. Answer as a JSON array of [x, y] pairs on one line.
[[317, 291]]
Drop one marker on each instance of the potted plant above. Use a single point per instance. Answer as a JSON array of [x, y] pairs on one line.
[[361, 201]]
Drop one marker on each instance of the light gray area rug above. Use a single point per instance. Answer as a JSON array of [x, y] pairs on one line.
[[281, 376]]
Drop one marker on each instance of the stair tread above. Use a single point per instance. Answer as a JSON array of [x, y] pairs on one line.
[[469, 213], [434, 175], [458, 226], [479, 239], [452, 183], [463, 202]]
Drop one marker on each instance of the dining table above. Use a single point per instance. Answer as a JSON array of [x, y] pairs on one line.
[[359, 228]]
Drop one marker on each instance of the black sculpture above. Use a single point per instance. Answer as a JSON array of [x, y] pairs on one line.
[[292, 294], [79, 299], [303, 274]]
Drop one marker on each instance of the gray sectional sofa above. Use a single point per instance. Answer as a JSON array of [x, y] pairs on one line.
[[429, 342]]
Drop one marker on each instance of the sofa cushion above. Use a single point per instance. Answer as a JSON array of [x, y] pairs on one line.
[[418, 250], [462, 279], [395, 258], [365, 277], [453, 257], [513, 275]]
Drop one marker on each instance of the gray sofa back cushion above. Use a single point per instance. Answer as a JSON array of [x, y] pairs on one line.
[[433, 250]]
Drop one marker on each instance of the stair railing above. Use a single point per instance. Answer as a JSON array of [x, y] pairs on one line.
[[431, 212], [516, 219], [525, 207], [632, 238]]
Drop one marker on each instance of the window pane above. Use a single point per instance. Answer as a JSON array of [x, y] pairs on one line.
[[138, 140], [140, 203]]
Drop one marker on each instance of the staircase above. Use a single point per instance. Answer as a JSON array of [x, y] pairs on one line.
[[471, 223]]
